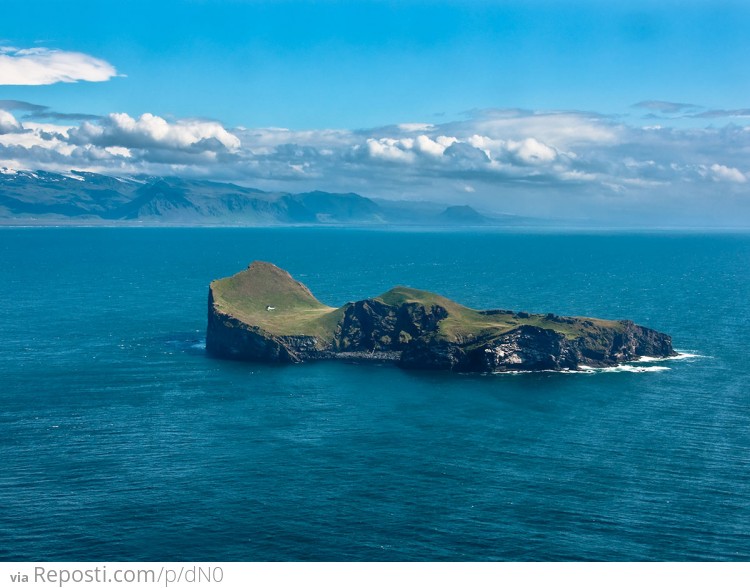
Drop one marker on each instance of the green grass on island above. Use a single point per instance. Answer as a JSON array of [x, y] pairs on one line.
[[466, 323], [268, 297]]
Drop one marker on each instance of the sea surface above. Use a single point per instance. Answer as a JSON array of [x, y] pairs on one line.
[[121, 440]]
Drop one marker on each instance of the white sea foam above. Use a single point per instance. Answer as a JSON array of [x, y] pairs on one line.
[[680, 355], [589, 369], [636, 369]]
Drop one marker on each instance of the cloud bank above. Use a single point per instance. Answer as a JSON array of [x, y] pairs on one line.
[[153, 132], [552, 163], [665, 107], [40, 66]]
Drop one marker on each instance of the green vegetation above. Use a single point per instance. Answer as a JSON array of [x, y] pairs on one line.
[[293, 310], [464, 323], [268, 297]]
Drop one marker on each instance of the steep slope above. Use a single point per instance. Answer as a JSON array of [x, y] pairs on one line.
[[158, 199], [264, 314], [75, 194]]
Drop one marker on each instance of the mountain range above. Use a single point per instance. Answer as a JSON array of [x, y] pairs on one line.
[[78, 197]]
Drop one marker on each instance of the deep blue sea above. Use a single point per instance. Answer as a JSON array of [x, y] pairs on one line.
[[121, 440]]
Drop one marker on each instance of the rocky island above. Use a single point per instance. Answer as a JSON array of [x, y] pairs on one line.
[[263, 314]]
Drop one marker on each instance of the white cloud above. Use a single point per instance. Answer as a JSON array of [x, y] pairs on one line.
[[494, 157], [436, 148], [415, 127], [442, 154], [41, 66], [530, 151], [149, 131], [722, 173], [561, 129], [39, 138], [119, 151], [577, 176], [8, 123], [393, 150]]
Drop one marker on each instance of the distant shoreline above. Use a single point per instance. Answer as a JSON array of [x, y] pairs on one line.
[[530, 229]]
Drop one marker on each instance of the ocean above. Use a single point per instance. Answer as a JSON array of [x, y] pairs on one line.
[[121, 440]]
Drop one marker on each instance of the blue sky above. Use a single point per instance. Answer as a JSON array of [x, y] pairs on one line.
[[548, 108]]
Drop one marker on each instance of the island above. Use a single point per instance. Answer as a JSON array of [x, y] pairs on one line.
[[263, 314]]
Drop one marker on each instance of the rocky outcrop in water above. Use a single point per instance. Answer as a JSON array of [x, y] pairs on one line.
[[414, 328]]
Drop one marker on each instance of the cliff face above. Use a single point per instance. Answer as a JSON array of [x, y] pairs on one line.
[[262, 314], [229, 337], [374, 325], [530, 348]]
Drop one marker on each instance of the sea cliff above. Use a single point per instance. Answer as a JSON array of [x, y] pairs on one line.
[[263, 314]]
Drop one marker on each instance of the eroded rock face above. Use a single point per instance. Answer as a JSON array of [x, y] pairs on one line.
[[229, 337], [432, 353], [410, 334], [526, 348], [373, 325], [529, 348]]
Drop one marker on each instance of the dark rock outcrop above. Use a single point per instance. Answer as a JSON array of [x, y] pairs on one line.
[[374, 325], [416, 329], [229, 337]]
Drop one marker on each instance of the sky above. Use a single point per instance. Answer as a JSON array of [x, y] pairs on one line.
[[635, 113]]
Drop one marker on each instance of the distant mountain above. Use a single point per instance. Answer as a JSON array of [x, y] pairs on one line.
[[75, 194], [462, 215], [76, 197], [338, 208]]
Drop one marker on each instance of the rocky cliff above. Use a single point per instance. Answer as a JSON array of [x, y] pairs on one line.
[[263, 314]]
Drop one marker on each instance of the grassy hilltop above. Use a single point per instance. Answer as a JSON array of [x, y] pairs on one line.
[[247, 295]]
